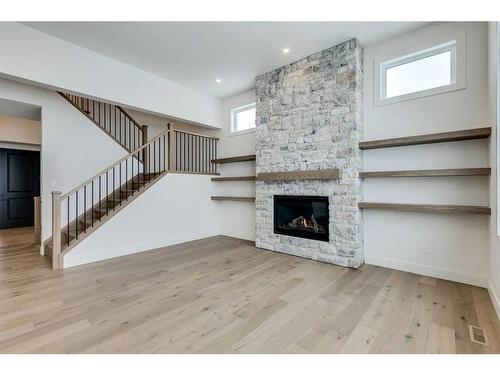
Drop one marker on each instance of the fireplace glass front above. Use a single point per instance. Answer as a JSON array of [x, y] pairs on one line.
[[301, 216]]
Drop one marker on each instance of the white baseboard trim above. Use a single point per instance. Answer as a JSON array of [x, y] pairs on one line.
[[440, 273], [95, 256], [239, 235], [494, 299]]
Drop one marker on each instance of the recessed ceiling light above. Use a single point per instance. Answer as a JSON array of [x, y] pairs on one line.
[[286, 50], [218, 80]]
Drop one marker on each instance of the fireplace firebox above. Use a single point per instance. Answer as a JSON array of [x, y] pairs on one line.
[[301, 216]]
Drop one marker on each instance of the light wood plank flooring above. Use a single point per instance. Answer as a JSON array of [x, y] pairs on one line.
[[222, 295]]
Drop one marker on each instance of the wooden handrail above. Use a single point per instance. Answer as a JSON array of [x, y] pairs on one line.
[[196, 134], [113, 165], [128, 116]]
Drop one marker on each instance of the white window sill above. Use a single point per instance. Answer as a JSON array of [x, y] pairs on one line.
[[242, 132], [419, 94]]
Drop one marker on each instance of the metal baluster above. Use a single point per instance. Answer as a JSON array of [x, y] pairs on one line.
[[216, 165], [67, 227], [76, 215], [164, 154], [120, 172], [176, 137], [185, 165], [191, 161], [85, 209], [107, 193], [120, 129], [114, 189], [126, 178], [99, 198], [138, 180], [92, 205], [178, 151], [214, 142], [146, 170]]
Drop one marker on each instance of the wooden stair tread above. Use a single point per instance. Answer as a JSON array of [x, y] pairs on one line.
[[236, 199], [234, 178], [234, 159], [433, 208], [427, 173], [459, 135]]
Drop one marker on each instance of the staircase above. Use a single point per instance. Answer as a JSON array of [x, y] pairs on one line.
[[81, 211], [112, 119]]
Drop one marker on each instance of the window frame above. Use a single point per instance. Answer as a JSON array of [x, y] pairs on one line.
[[234, 112], [454, 43]]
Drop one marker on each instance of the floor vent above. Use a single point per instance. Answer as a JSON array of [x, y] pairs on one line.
[[478, 335]]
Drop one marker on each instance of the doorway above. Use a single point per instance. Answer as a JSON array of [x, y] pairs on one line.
[[19, 185]]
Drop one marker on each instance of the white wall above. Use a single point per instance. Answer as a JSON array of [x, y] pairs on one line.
[[453, 247], [176, 209], [233, 145], [493, 102], [158, 124], [73, 149], [237, 219], [42, 59]]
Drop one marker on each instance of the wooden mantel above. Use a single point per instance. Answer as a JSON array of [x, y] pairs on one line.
[[325, 174]]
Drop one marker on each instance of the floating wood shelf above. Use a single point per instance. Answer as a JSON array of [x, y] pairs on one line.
[[432, 208], [427, 173], [234, 159], [236, 199], [460, 135], [325, 174], [235, 178]]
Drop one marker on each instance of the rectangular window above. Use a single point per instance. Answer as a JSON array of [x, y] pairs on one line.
[[243, 119], [435, 67], [420, 71], [419, 75]]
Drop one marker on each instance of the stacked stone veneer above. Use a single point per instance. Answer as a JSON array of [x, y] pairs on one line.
[[309, 117]]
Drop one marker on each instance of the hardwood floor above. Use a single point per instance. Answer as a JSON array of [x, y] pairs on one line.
[[222, 295]]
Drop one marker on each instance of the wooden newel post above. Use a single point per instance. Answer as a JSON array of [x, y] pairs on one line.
[[145, 160], [56, 229], [38, 221], [171, 145]]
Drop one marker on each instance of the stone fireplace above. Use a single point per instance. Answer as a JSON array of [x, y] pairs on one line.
[[309, 118]]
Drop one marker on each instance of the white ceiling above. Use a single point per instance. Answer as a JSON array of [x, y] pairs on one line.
[[196, 53]]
